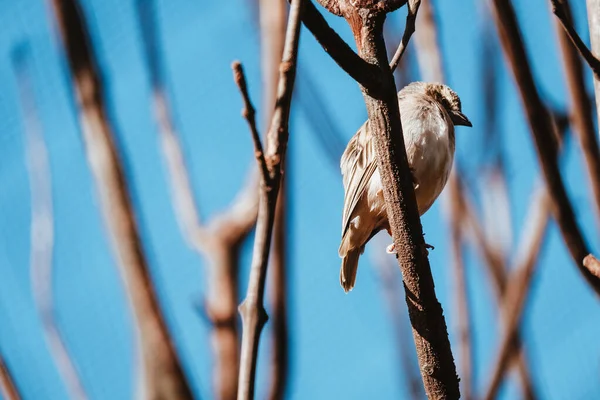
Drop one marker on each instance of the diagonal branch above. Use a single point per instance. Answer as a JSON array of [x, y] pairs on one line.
[[581, 108], [42, 230], [560, 8], [252, 309], [541, 127], [8, 388], [161, 374], [411, 18]]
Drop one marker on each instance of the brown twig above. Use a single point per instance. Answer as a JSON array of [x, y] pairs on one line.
[[273, 16], [252, 309], [411, 17], [8, 387], [160, 370], [541, 127], [42, 229], [429, 327], [581, 109], [561, 9]]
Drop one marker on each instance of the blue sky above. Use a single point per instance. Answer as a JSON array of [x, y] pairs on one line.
[[342, 346]]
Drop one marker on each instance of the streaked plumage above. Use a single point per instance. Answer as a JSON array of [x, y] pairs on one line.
[[428, 113]]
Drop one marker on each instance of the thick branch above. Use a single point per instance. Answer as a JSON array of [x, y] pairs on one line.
[[161, 373], [541, 127], [561, 9], [411, 18], [8, 388], [252, 308], [580, 103], [42, 230], [426, 315], [340, 52]]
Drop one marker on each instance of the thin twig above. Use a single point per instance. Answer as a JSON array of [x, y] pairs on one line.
[[411, 17], [161, 374], [8, 387], [42, 229], [581, 109], [252, 309], [560, 9], [541, 127]]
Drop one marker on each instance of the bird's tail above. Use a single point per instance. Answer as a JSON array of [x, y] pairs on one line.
[[348, 270]]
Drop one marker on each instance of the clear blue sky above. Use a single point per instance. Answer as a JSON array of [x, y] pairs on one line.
[[342, 346]]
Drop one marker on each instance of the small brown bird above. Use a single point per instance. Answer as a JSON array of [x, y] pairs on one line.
[[428, 113]]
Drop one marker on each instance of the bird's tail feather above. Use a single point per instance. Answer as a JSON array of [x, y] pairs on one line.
[[348, 270]]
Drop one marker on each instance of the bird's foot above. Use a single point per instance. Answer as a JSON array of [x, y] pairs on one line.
[[391, 249]]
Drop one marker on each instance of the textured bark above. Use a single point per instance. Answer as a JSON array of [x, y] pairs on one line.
[[252, 308], [438, 371], [161, 374], [541, 128], [581, 109]]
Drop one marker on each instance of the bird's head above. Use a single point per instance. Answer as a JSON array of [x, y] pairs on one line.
[[447, 98]]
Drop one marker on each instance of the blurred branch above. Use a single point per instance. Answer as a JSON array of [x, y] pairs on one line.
[[517, 289], [273, 15], [252, 309], [593, 10], [561, 9], [366, 19], [581, 109], [160, 370], [429, 55], [456, 217], [411, 17], [541, 127], [8, 388], [42, 228]]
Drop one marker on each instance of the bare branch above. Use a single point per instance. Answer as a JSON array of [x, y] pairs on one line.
[[360, 70], [541, 127], [411, 17], [560, 8], [42, 229], [252, 309], [161, 373], [429, 55], [8, 388], [249, 114], [581, 109], [518, 289], [593, 11]]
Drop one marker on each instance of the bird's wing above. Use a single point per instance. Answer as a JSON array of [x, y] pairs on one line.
[[358, 165]]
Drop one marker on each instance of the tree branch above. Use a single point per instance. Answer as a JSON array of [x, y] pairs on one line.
[[561, 9], [252, 309], [161, 373], [8, 388], [42, 228], [581, 109], [429, 327], [411, 17], [541, 127], [593, 10], [340, 52]]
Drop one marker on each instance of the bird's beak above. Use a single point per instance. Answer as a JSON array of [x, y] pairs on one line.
[[459, 118]]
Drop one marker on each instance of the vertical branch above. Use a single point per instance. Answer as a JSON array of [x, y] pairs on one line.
[[593, 9], [580, 105], [220, 240], [429, 55], [8, 388], [438, 372], [542, 128], [161, 372], [42, 228], [272, 14], [252, 309]]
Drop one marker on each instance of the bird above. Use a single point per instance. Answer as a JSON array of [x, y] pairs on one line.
[[428, 113]]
